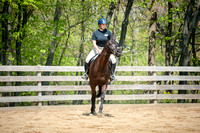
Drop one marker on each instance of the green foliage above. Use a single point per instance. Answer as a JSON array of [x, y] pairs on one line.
[[167, 100], [78, 15]]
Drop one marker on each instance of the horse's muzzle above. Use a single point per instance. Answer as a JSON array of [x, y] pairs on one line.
[[119, 52]]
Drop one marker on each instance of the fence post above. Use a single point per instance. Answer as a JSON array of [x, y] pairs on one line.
[[155, 89], [39, 84]]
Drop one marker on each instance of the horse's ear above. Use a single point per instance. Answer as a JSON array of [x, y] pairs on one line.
[[108, 37]]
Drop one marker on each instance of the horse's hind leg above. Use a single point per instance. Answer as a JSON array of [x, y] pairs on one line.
[[102, 98], [93, 100]]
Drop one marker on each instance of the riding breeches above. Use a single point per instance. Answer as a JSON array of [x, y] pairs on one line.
[[93, 52]]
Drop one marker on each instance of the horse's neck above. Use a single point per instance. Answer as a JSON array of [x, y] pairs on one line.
[[104, 57]]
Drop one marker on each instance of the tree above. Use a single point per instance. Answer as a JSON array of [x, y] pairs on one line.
[[110, 13], [23, 15], [152, 32], [81, 51], [168, 36], [125, 23], [115, 20], [59, 33], [15, 16], [4, 32], [52, 46], [188, 30]]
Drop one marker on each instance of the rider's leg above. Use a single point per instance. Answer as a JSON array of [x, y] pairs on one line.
[[113, 66], [85, 75], [90, 55]]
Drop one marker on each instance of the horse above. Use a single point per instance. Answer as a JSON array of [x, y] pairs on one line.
[[99, 72]]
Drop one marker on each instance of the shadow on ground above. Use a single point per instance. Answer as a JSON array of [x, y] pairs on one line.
[[98, 115]]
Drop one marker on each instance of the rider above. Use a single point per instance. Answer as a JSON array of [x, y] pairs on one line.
[[99, 39]]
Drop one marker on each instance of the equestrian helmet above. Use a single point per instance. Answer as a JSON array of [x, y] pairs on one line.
[[102, 21]]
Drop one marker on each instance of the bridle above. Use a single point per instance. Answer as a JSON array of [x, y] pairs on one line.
[[110, 46]]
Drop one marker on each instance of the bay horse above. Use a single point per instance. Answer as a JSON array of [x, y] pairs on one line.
[[99, 72]]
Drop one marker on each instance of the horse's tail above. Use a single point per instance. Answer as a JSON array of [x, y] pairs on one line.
[[100, 91]]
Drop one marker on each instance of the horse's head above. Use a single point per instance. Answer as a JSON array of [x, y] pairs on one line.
[[113, 46]]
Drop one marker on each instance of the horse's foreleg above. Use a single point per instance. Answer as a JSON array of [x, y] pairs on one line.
[[93, 100], [102, 98]]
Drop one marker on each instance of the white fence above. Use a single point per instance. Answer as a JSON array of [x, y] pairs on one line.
[[153, 86]]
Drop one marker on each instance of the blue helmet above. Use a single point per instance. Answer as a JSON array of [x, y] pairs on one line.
[[102, 21]]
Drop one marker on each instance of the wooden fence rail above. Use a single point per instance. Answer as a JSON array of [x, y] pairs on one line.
[[153, 86]]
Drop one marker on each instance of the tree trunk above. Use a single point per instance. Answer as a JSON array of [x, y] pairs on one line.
[[195, 59], [4, 47], [81, 55], [125, 23], [169, 34], [168, 41], [108, 18], [52, 47], [194, 64], [152, 37], [4, 32], [18, 47], [110, 13], [64, 49], [133, 51], [23, 16], [176, 53], [116, 12], [186, 38]]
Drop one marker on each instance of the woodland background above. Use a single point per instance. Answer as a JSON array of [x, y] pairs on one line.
[[58, 33]]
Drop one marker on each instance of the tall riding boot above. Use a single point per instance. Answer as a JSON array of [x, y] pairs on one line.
[[85, 75], [112, 76]]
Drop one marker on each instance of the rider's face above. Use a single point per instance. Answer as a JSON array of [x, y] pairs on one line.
[[102, 26]]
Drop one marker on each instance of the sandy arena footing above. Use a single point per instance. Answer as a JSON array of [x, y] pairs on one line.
[[120, 118]]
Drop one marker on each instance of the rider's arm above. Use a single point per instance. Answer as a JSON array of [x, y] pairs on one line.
[[95, 46]]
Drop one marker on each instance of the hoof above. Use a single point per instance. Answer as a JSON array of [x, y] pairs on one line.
[[92, 113], [100, 112]]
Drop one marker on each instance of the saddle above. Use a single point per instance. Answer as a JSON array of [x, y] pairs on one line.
[[93, 58]]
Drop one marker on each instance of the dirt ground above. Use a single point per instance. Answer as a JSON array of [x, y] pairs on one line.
[[176, 118]]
